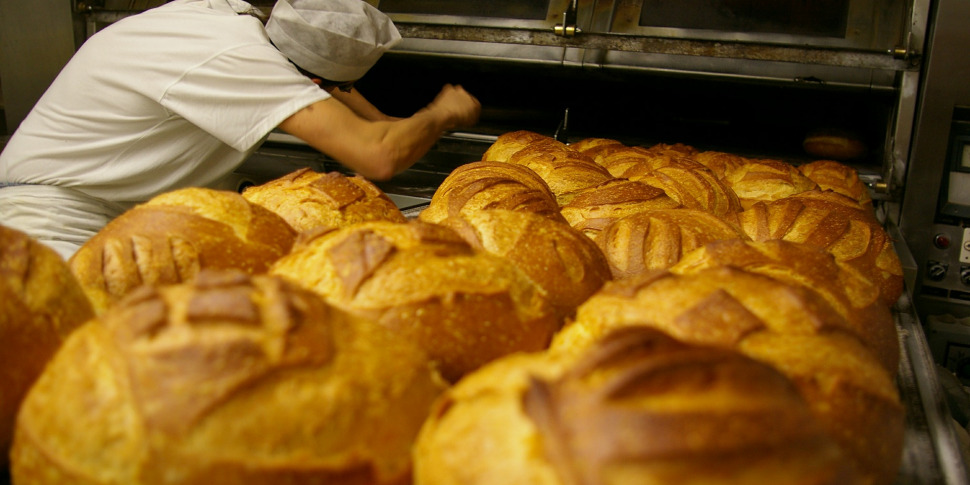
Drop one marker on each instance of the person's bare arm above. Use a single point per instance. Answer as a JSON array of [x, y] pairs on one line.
[[360, 105], [380, 149]]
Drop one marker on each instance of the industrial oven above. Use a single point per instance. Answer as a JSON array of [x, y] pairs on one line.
[[751, 77]]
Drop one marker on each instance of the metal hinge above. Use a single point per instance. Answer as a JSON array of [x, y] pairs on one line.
[[568, 26]]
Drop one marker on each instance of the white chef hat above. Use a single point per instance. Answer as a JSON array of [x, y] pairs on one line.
[[339, 40]]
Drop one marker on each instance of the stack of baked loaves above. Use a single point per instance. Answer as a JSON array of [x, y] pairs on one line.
[[559, 314]]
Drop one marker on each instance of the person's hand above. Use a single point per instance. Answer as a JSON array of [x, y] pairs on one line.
[[456, 106]]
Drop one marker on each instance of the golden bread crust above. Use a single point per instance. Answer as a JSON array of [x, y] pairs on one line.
[[464, 307], [636, 407], [596, 207], [40, 305], [480, 186], [788, 327], [170, 238], [248, 379], [560, 260], [657, 239], [309, 200], [766, 180]]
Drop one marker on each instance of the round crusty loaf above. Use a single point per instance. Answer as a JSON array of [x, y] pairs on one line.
[[311, 200], [834, 143], [766, 180], [596, 207], [850, 293], [837, 224], [720, 163], [838, 177], [508, 143], [694, 188], [173, 236], [657, 239], [566, 172], [788, 327], [638, 407], [480, 186], [561, 261], [464, 307], [229, 379], [40, 304]]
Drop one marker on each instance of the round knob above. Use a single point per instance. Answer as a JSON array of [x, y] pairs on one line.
[[935, 270], [965, 275]]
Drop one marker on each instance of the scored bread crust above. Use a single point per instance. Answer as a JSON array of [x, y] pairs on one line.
[[173, 236], [238, 379]]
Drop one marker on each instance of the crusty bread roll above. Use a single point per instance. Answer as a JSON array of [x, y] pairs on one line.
[[560, 260], [229, 379], [694, 188], [40, 304], [491, 185], [174, 235], [637, 167], [837, 224], [838, 177], [597, 147], [566, 172], [637, 407], [788, 327], [421, 280], [721, 163], [596, 207], [834, 144], [310, 200], [657, 239], [508, 143], [849, 292], [766, 180]]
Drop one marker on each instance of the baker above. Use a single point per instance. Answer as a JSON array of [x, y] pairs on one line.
[[182, 94]]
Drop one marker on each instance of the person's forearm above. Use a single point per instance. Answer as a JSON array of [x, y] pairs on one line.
[[360, 105]]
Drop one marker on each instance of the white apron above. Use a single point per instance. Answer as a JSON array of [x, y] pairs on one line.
[[59, 217]]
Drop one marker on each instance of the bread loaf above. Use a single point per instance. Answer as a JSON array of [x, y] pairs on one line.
[[508, 143], [561, 261], [834, 144], [837, 224], [491, 185], [596, 207], [849, 292], [310, 200], [422, 281], [228, 379], [694, 188], [566, 172], [587, 144], [657, 239], [838, 177], [788, 327], [40, 304], [720, 163], [766, 180], [174, 235], [636, 407]]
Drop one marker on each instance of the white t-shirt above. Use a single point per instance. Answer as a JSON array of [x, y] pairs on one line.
[[173, 97]]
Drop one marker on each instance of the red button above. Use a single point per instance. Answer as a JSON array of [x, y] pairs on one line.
[[941, 241]]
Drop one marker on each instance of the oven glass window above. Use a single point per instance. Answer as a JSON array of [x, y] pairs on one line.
[[823, 18], [515, 9]]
